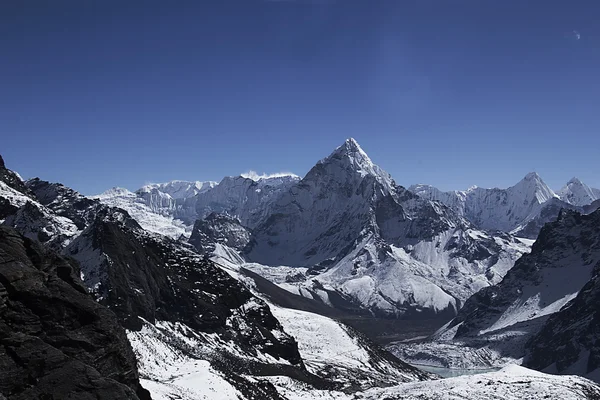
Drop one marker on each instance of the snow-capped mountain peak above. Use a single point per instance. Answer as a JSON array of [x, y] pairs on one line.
[[533, 187], [179, 189], [577, 193], [349, 163], [114, 192], [509, 210], [351, 152]]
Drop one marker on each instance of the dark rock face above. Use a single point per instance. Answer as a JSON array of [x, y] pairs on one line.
[[548, 213], [55, 340], [219, 228], [592, 207], [155, 278], [569, 342], [12, 179], [64, 201]]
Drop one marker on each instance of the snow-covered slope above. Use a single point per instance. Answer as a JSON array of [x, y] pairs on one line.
[[248, 199], [511, 383], [516, 209], [578, 193], [168, 372], [175, 199], [180, 189], [138, 208]]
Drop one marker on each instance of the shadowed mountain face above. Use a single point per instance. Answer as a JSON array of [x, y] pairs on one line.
[[55, 340], [569, 342], [560, 263]]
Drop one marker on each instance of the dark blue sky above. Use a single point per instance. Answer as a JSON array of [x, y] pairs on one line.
[[448, 92]]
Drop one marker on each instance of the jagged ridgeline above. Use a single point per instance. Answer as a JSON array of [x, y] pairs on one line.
[[180, 310]]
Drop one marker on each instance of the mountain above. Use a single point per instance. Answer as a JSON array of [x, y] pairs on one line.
[[543, 309], [148, 218], [568, 341], [55, 340], [249, 200], [172, 208], [521, 209], [343, 197], [175, 199], [362, 241], [195, 327], [561, 262], [199, 329], [219, 228], [19, 208], [179, 189], [578, 193]]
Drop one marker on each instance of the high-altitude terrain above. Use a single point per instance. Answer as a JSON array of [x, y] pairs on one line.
[[238, 289]]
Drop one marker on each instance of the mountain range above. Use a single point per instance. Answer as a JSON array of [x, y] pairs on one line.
[[351, 233], [240, 287]]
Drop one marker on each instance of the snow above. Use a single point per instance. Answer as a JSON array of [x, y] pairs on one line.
[[143, 214], [246, 199], [14, 197], [495, 209], [32, 222], [578, 193], [557, 286], [418, 278], [512, 382], [321, 340], [167, 372], [179, 189]]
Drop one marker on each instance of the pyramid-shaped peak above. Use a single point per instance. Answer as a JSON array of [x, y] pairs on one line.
[[351, 147], [574, 181], [533, 186], [349, 162], [351, 143], [532, 176], [351, 153]]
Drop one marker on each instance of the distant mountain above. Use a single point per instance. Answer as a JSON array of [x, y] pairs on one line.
[[149, 217], [578, 193], [521, 209], [179, 189], [248, 199]]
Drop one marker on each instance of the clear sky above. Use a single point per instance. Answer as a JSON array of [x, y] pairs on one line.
[[453, 93]]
